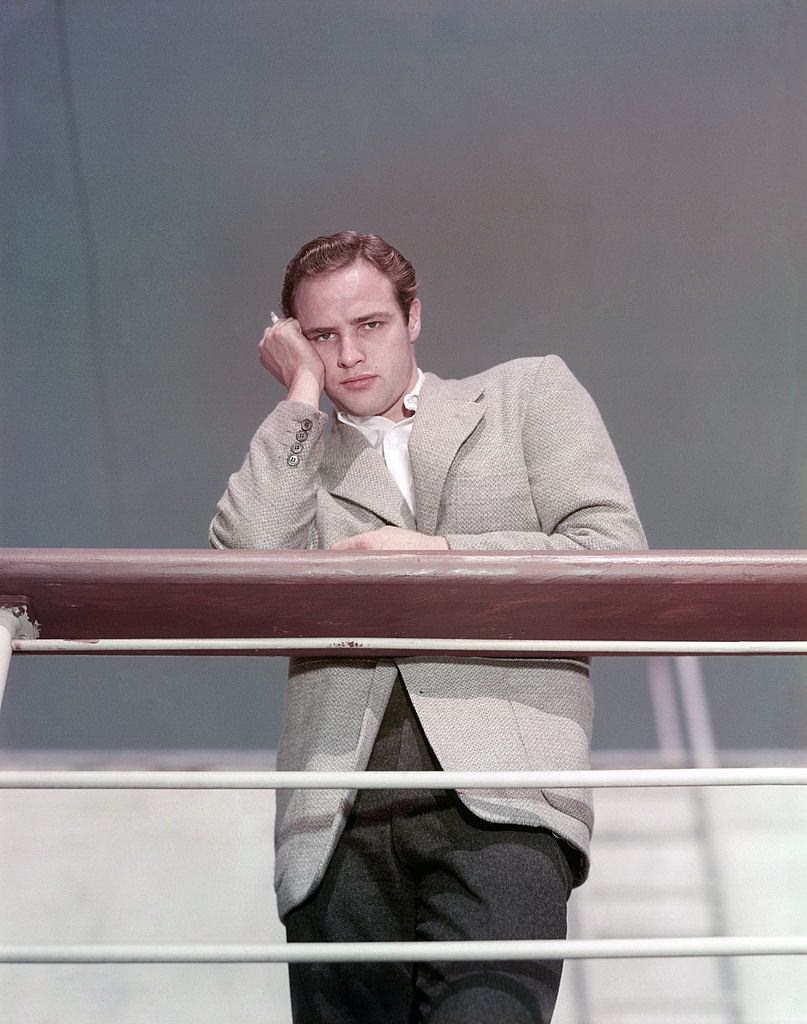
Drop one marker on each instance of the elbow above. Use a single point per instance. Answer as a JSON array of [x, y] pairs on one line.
[[225, 532], [622, 534], [213, 538]]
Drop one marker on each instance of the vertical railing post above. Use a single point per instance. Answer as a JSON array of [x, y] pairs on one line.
[[15, 624], [8, 628]]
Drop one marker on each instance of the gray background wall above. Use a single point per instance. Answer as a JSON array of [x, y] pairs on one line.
[[622, 182]]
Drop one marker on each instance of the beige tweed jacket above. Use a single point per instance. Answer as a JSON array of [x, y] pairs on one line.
[[516, 457]]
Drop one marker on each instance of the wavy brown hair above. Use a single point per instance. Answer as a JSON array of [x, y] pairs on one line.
[[327, 253]]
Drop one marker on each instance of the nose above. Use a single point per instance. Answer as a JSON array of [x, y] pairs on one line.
[[349, 352]]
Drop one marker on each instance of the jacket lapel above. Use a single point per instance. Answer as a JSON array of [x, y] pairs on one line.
[[448, 412], [355, 471]]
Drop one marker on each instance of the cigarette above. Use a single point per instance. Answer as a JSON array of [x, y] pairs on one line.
[[274, 318]]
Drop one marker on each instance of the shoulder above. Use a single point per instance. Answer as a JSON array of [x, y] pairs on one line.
[[517, 377], [526, 370]]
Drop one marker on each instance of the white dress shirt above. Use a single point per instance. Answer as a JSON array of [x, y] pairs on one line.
[[392, 440]]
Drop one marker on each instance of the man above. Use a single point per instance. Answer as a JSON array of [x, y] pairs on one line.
[[516, 457]]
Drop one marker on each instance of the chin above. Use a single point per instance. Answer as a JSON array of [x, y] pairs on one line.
[[365, 410], [359, 405]]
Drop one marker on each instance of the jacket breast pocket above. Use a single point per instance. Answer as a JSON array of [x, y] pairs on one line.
[[483, 501]]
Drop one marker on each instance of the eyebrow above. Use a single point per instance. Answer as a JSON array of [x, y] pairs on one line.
[[379, 315]]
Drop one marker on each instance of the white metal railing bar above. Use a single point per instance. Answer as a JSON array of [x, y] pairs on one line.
[[415, 952], [415, 644], [594, 779]]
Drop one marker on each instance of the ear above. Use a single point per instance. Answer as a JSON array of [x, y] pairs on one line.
[[414, 320]]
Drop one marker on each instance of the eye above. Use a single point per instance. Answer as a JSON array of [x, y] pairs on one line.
[[324, 336], [372, 324]]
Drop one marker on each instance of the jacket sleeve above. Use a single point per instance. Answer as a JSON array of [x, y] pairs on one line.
[[579, 490], [271, 501]]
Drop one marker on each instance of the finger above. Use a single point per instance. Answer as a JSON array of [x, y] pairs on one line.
[[274, 320], [356, 543], [346, 544], [272, 332]]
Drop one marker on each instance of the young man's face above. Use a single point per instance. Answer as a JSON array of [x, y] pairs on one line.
[[354, 322]]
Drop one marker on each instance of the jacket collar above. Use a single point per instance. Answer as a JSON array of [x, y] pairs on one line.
[[448, 412], [352, 469]]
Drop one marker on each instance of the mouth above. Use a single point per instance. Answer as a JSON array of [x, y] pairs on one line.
[[354, 383]]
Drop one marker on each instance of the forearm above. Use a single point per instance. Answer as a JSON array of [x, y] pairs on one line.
[[271, 501], [628, 537], [305, 388]]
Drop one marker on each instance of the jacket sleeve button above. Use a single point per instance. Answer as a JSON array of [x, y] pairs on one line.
[[293, 459], [301, 435], [307, 424]]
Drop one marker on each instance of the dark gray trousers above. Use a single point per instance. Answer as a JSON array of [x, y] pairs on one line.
[[411, 865]]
